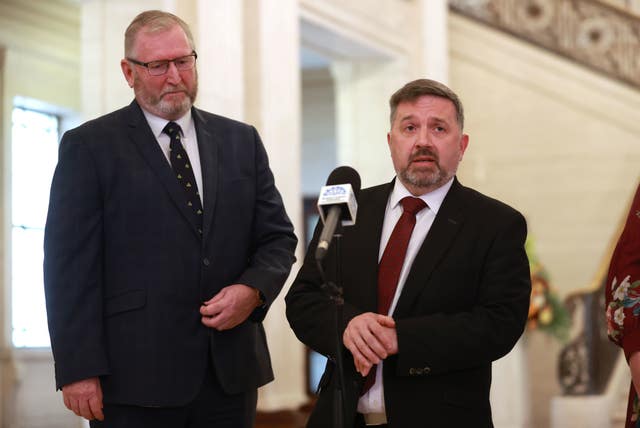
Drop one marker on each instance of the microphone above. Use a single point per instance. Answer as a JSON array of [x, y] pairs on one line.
[[337, 202]]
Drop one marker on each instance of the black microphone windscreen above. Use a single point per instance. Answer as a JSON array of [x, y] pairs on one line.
[[345, 175]]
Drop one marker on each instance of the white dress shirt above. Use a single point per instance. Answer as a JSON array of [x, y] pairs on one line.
[[189, 141], [373, 400]]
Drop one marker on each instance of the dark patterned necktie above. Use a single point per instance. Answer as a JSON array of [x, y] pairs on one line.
[[391, 263], [184, 172]]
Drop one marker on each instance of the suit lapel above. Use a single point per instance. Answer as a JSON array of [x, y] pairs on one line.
[[370, 220], [443, 231], [146, 142], [208, 146]]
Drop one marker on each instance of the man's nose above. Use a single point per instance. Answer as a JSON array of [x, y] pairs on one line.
[[423, 137], [173, 74]]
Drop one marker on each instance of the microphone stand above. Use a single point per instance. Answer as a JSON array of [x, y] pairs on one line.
[[334, 290]]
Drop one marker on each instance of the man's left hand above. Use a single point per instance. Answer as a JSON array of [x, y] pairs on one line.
[[230, 307]]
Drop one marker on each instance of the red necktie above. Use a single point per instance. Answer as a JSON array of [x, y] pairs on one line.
[[391, 263]]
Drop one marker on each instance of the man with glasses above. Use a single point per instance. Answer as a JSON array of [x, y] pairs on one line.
[[166, 242]]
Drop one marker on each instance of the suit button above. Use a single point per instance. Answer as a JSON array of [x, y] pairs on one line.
[[412, 371], [206, 261]]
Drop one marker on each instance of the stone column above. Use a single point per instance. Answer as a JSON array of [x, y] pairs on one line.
[[273, 105], [435, 39], [104, 88], [218, 30]]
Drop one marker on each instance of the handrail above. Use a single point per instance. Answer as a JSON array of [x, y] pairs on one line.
[[586, 363], [599, 36]]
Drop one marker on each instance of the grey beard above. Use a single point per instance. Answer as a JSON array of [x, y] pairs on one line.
[[172, 109], [422, 179]]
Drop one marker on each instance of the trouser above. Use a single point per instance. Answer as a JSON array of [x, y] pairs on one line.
[[212, 408]]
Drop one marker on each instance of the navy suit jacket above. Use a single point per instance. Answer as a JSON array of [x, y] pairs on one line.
[[463, 305], [126, 270]]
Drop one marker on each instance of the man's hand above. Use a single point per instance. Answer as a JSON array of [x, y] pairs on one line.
[[371, 338], [84, 398], [230, 307]]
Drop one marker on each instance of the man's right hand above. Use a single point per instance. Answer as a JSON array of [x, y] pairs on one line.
[[84, 398], [371, 338]]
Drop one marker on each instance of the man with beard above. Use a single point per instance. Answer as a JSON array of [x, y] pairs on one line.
[[166, 242], [435, 280]]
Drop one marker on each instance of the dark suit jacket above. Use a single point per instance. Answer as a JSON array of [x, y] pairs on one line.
[[463, 305], [126, 270]]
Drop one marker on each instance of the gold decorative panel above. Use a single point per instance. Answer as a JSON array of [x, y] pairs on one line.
[[595, 34]]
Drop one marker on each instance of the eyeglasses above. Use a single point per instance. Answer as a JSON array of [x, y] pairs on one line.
[[158, 68]]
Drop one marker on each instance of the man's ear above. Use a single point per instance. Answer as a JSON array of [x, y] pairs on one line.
[[127, 70], [464, 143]]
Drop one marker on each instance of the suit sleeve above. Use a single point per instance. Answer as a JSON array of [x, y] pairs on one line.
[[622, 289], [465, 338], [73, 246], [274, 242]]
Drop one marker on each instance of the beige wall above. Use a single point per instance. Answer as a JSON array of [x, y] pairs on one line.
[[558, 142], [318, 130]]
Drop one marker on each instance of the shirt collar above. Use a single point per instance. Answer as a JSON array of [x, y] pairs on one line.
[[157, 123], [433, 199]]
